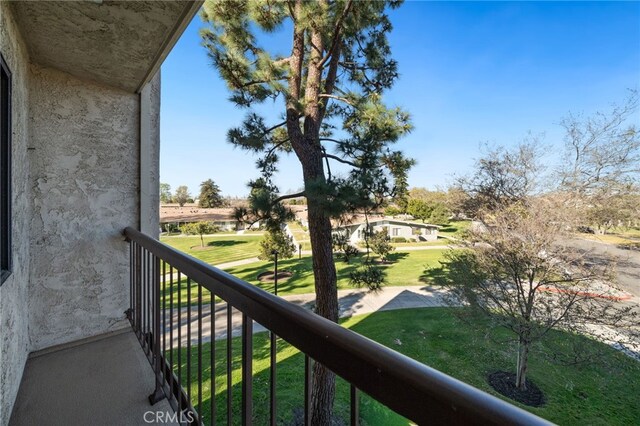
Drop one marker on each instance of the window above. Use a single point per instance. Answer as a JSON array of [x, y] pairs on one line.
[[394, 231], [5, 171]]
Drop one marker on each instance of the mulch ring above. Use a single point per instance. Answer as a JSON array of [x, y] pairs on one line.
[[268, 276], [505, 383]]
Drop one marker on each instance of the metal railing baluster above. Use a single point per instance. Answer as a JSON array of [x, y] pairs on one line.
[[229, 360], [355, 406], [247, 370], [307, 390], [421, 394], [199, 350]]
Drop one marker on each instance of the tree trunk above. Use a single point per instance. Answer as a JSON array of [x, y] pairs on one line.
[[523, 359], [324, 272], [201, 240]]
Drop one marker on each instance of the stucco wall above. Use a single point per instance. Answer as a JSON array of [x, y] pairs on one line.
[[150, 161], [14, 339], [85, 177]]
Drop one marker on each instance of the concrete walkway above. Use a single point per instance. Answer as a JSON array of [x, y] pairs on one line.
[[351, 303]]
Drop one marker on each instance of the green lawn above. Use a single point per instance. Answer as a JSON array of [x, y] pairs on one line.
[[455, 228], [604, 393], [218, 249], [301, 236], [439, 242], [406, 270]]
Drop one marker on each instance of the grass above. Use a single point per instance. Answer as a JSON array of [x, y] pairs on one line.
[[406, 270], [438, 242], [218, 249], [300, 234], [601, 393], [455, 228]]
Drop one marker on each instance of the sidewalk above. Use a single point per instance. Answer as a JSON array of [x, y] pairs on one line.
[[351, 303]]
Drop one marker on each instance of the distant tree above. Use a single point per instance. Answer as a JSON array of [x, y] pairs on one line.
[[276, 239], [182, 195], [503, 177], [165, 193], [439, 214], [199, 228], [331, 86], [456, 199], [393, 210], [517, 273], [419, 209], [380, 244], [600, 169], [210, 195], [602, 152]]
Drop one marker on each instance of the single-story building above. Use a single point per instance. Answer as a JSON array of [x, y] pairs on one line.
[[395, 228], [221, 217]]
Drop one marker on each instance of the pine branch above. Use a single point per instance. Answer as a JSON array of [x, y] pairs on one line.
[[289, 196], [337, 35], [275, 146], [337, 98], [340, 160]]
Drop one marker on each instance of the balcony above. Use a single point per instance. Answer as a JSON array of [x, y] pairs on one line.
[[167, 354]]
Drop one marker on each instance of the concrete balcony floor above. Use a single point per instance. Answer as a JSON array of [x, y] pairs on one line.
[[105, 381]]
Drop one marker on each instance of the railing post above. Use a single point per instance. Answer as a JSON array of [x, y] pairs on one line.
[[247, 370], [138, 290], [158, 393]]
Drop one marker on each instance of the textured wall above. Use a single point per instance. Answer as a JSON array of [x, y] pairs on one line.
[[14, 339], [128, 34], [84, 175], [150, 158]]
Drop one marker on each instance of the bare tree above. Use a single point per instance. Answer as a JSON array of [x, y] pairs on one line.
[[602, 152], [502, 177], [517, 272]]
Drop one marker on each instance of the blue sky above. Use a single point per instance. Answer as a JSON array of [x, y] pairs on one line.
[[471, 72]]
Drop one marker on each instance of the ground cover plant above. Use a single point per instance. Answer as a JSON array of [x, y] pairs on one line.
[[601, 393]]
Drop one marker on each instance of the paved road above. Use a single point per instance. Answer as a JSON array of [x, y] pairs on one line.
[[628, 262]]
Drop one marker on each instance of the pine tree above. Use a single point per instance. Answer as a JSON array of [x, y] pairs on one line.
[[210, 195], [334, 119]]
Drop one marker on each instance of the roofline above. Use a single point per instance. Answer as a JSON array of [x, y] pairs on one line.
[[180, 26]]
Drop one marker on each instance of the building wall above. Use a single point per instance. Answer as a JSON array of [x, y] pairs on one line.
[[14, 337], [150, 158], [85, 181]]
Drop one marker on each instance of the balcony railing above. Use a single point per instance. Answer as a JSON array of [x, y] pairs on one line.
[[175, 336]]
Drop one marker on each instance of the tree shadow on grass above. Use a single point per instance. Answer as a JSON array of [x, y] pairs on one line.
[[434, 275], [225, 243], [395, 257]]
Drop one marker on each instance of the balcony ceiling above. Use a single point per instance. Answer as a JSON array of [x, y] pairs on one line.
[[117, 43]]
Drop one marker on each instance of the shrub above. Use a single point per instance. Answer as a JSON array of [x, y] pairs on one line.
[[398, 240], [276, 240], [379, 243]]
